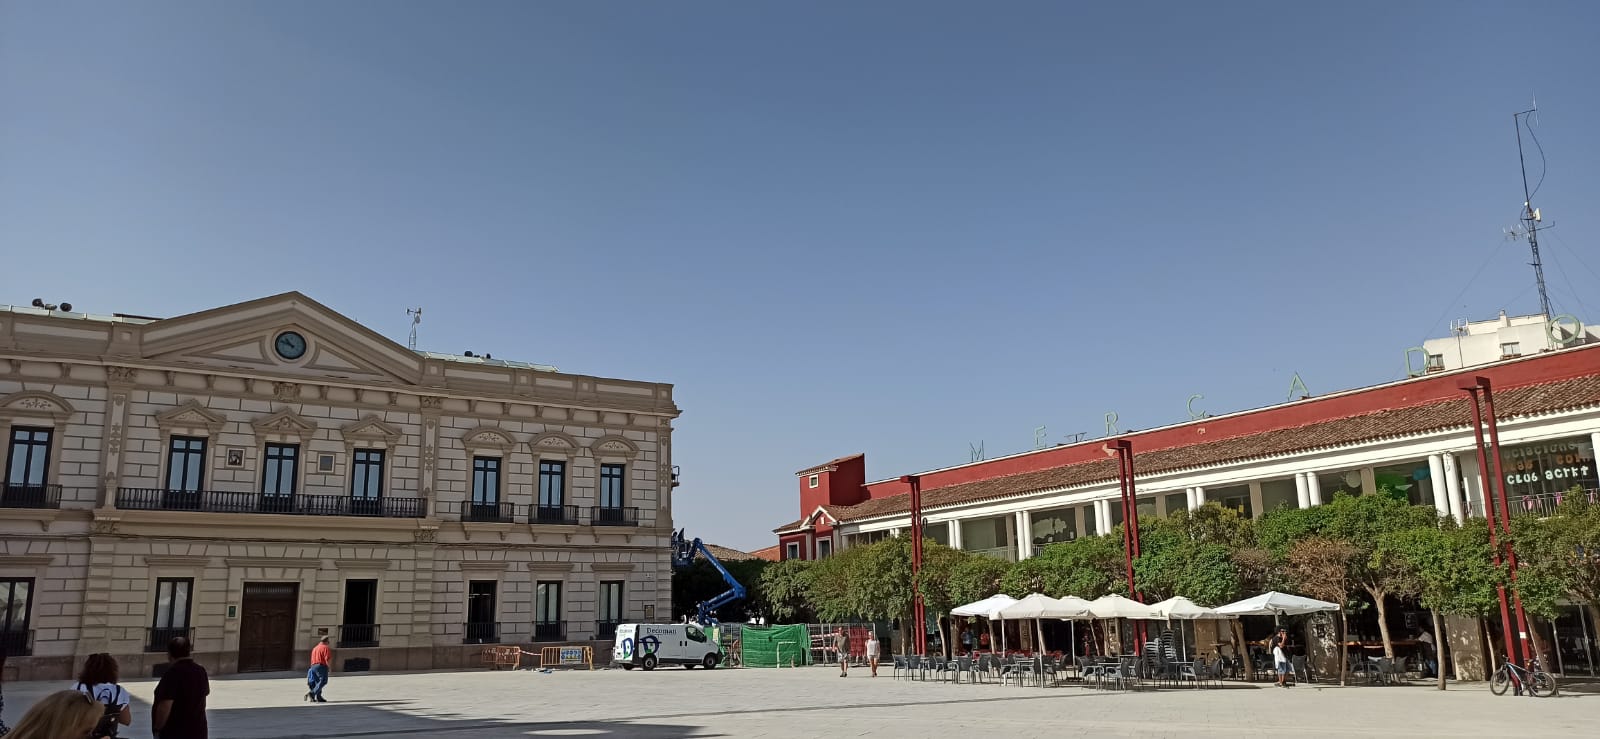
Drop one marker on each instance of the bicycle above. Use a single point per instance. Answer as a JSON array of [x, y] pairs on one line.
[[1533, 678]]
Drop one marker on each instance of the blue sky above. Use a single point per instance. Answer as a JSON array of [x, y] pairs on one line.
[[893, 227]]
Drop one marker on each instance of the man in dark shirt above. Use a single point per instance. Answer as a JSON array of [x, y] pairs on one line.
[[180, 707]]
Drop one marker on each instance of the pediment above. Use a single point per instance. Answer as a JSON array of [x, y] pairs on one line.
[[818, 515], [285, 422], [35, 404], [489, 437], [554, 441], [191, 415], [613, 446], [371, 428], [241, 337]]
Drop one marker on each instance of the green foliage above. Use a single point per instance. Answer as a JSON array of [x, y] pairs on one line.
[[1453, 564], [976, 577], [1087, 567], [786, 591], [939, 564], [1560, 551], [1204, 573]]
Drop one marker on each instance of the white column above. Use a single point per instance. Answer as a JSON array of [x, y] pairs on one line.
[[1452, 488], [1102, 517], [895, 533], [1436, 477], [1302, 490], [1199, 496], [1024, 535], [1314, 488], [955, 534], [1189, 498]]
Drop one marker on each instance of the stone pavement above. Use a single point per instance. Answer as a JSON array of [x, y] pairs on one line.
[[810, 702]]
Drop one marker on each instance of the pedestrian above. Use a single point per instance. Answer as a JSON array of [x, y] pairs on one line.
[[68, 714], [873, 650], [1280, 657], [98, 680], [317, 676], [841, 645], [180, 706], [1430, 659], [966, 640]]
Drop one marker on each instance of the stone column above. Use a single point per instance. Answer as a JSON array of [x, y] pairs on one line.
[[1436, 476], [1256, 503], [429, 478], [1314, 488], [119, 386], [1302, 490], [1199, 496], [955, 534], [1102, 517], [1024, 535], [1452, 488]]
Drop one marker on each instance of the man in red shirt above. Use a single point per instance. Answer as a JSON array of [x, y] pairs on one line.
[[317, 676]]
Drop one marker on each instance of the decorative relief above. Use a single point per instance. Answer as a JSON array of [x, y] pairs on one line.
[[613, 446], [35, 403], [285, 422], [114, 439], [191, 415], [103, 526], [431, 402], [488, 437], [371, 428], [121, 375], [425, 536], [285, 392], [554, 441]]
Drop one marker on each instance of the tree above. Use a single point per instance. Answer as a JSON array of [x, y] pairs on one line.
[[939, 565], [1454, 566], [1562, 550], [786, 588], [1191, 554], [1087, 567], [1321, 568]]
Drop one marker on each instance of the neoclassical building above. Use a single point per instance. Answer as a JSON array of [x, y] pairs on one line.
[[259, 475]]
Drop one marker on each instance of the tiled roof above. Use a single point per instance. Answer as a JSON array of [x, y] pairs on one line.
[[730, 555], [832, 510], [770, 554], [1396, 422], [828, 464]]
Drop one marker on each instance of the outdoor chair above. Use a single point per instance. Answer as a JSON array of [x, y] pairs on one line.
[[1191, 672], [1302, 671], [966, 666], [914, 666], [899, 666]]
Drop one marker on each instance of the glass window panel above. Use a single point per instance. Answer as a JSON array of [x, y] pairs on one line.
[[552, 483]]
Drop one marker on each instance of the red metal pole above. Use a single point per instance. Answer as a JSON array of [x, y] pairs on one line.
[[918, 614], [1125, 448], [1505, 516], [1486, 488]]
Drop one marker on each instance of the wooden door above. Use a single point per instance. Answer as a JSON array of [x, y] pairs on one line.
[[266, 626]]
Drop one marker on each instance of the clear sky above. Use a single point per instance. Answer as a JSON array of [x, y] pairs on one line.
[[898, 228]]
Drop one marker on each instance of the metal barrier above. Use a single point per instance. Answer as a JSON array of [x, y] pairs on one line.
[[567, 657]]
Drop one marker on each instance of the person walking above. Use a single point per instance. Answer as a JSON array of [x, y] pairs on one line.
[[180, 706], [317, 676], [873, 649], [841, 646], [98, 680], [68, 714], [1280, 657], [1430, 654]]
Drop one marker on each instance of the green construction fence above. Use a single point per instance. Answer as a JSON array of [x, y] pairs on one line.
[[775, 646]]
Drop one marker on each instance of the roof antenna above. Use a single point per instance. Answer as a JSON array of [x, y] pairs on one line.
[[416, 318], [1531, 218]]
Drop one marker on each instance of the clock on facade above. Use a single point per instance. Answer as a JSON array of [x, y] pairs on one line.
[[290, 345]]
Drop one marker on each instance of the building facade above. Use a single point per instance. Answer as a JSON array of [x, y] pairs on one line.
[[1473, 343], [260, 475], [1414, 436]]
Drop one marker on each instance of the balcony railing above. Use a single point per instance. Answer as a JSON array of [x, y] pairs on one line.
[[358, 635], [17, 642], [550, 631], [482, 632], [1008, 554], [488, 512], [156, 638], [613, 516], [606, 629], [1538, 504], [555, 514], [214, 501], [29, 496]]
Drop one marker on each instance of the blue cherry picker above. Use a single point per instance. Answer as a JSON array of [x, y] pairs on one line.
[[683, 552]]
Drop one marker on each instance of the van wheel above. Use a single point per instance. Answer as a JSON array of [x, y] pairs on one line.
[[688, 666], [649, 662], [627, 667], [710, 662]]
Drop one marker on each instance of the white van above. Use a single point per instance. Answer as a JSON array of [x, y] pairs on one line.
[[649, 645]]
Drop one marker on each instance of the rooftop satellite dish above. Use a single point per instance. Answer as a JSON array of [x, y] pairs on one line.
[[38, 303], [467, 353], [66, 307]]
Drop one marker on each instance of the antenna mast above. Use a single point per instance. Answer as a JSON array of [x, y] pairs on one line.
[[416, 318], [1530, 215]]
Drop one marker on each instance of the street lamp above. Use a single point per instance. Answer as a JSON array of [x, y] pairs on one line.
[[918, 616], [1497, 513]]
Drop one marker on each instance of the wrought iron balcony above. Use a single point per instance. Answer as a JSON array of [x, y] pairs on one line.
[[555, 514], [550, 631], [156, 638], [17, 642], [358, 635], [213, 501], [606, 629], [1540, 505], [13, 495], [613, 516], [482, 512], [482, 632]]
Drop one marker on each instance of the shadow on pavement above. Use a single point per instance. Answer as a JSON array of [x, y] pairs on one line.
[[378, 718]]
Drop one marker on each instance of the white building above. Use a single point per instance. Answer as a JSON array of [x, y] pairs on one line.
[[1473, 343]]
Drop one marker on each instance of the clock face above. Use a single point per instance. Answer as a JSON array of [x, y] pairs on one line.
[[290, 345]]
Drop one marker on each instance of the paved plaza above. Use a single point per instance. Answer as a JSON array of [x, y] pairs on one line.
[[811, 702]]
